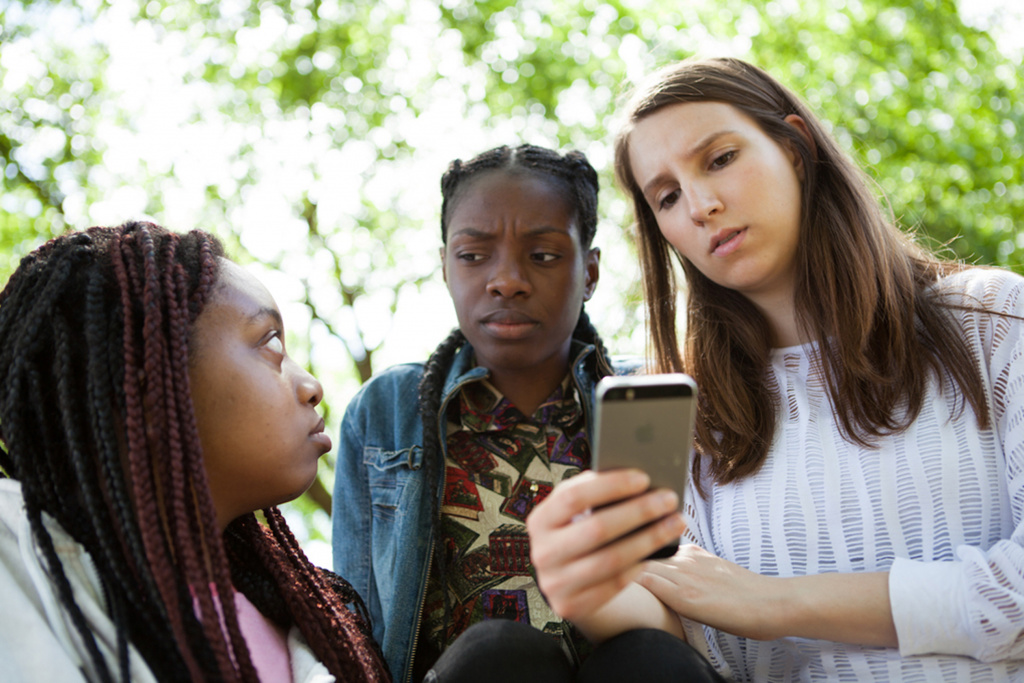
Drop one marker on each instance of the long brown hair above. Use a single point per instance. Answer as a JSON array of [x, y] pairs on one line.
[[96, 418], [862, 289]]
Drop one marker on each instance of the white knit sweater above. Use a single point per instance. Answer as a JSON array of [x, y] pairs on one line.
[[940, 506]]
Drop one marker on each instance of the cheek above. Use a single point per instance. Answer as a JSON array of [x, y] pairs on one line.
[[679, 237]]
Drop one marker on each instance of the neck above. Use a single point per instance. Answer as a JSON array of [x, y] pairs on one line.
[[780, 311], [527, 390]]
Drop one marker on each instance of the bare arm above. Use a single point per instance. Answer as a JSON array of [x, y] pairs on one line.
[[847, 608], [633, 607]]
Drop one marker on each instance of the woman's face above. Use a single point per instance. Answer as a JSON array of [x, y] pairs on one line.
[[724, 194], [255, 407], [517, 272]]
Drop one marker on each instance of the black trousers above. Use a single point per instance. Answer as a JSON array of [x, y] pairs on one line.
[[501, 651]]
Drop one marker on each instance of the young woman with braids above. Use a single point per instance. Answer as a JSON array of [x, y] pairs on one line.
[[431, 497], [857, 508], [147, 409]]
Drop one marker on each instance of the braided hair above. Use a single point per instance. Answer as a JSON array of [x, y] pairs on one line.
[[97, 425], [577, 179]]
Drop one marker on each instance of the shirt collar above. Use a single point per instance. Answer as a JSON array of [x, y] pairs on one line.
[[482, 407]]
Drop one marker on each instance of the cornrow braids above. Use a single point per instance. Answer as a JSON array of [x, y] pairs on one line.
[[578, 181], [572, 171], [97, 424]]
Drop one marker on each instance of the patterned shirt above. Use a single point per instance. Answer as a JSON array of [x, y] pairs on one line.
[[500, 465]]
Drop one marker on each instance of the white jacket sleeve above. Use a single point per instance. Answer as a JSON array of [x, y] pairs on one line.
[[974, 606]]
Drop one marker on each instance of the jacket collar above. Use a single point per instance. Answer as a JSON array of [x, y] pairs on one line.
[[463, 370]]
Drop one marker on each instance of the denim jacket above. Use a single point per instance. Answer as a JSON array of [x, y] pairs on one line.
[[382, 532]]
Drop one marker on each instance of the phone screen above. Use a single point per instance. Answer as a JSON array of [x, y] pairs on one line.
[[646, 422]]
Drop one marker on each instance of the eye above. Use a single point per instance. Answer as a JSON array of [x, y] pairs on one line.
[[274, 343], [469, 256], [723, 159], [545, 257], [669, 200]]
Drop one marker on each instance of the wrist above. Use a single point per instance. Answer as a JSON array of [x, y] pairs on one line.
[[783, 606]]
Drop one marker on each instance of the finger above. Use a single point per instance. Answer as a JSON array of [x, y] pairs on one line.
[[586, 491], [610, 561], [661, 585], [555, 547], [619, 519]]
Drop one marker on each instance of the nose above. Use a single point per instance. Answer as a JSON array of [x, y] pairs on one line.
[[508, 278], [703, 202], [308, 387]]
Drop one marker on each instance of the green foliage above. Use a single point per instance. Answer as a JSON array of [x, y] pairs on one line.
[[311, 134]]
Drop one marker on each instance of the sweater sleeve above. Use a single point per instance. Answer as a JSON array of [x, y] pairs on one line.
[[974, 605]]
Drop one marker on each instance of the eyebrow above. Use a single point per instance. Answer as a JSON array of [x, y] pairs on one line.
[[476, 233], [702, 144], [265, 312]]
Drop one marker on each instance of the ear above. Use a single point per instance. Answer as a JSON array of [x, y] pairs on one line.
[[444, 264], [801, 127], [592, 262]]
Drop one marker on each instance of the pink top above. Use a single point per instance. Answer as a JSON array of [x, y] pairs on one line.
[[267, 642]]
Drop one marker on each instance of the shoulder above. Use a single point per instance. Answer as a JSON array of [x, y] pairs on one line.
[[378, 398], [994, 290], [628, 365], [12, 504], [396, 378]]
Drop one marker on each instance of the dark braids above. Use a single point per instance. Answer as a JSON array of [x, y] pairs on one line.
[[96, 418], [577, 177], [578, 181]]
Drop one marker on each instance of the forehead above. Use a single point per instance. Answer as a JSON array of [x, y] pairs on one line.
[[683, 129], [502, 194], [240, 291]]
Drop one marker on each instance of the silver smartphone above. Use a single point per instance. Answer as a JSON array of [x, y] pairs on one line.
[[646, 422]]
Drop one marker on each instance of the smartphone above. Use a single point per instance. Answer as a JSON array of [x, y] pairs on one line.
[[646, 422]]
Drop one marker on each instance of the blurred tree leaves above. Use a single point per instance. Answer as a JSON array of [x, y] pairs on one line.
[[311, 134]]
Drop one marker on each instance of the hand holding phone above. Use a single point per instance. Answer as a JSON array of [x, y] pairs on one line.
[[646, 422]]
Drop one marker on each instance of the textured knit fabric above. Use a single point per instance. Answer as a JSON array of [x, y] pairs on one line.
[[500, 465], [940, 506]]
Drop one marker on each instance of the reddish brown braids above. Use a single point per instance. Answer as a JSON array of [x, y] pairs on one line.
[[97, 424]]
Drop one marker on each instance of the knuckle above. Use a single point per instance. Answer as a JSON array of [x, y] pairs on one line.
[[540, 556], [594, 532]]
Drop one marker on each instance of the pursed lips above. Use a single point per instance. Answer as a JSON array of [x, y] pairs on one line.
[[508, 323], [320, 436]]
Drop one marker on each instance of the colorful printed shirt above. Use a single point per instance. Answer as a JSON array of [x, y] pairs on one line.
[[500, 465]]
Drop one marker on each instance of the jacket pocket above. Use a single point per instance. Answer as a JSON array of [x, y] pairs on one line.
[[388, 471]]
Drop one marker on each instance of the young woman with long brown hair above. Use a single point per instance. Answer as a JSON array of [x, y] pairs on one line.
[[857, 499]]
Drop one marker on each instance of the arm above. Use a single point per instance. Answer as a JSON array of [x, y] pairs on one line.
[[973, 603], [582, 560], [963, 594], [351, 518], [849, 608]]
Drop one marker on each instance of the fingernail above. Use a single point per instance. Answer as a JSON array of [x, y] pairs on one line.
[[668, 499], [639, 479]]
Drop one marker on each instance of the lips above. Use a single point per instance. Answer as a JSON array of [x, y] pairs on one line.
[[321, 437], [508, 323], [726, 241]]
